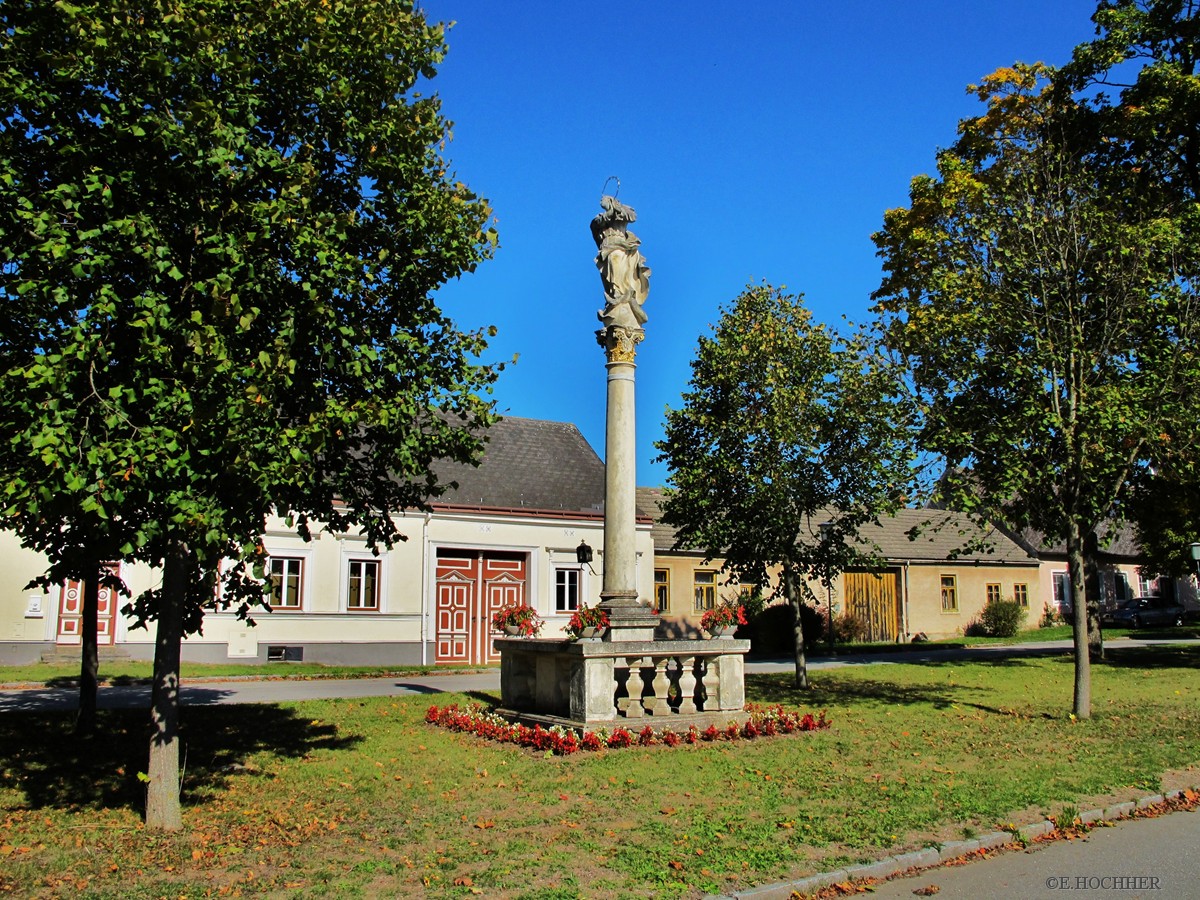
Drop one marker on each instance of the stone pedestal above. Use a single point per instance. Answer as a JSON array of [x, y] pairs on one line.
[[585, 684]]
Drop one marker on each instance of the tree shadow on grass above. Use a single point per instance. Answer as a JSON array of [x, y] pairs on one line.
[[1176, 657], [830, 690], [41, 757], [485, 697]]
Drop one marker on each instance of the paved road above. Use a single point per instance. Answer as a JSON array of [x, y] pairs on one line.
[[1144, 858], [198, 693]]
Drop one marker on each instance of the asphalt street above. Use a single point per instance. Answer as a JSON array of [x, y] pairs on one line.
[[1137, 858], [281, 690]]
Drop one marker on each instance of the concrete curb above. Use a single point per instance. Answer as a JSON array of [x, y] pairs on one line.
[[930, 857]]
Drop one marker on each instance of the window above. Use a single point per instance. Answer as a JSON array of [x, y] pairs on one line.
[[362, 585], [566, 590], [1062, 593], [1147, 586], [993, 593], [705, 584], [1121, 591], [949, 593], [1021, 594], [286, 581], [662, 590]]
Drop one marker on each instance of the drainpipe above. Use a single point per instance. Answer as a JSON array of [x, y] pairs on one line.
[[425, 589]]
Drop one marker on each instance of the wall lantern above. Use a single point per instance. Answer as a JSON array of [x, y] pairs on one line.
[[583, 556]]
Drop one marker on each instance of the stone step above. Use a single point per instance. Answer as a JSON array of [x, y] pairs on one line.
[[72, 653]]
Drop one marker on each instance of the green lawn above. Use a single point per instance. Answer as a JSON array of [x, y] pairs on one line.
[[361, 798], [123, 670]]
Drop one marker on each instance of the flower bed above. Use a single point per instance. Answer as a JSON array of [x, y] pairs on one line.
[[764, 721]]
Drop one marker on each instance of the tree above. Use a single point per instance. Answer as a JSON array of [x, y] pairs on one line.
[[220, 225], [1148, 51], [784, 427], [1036, 302]]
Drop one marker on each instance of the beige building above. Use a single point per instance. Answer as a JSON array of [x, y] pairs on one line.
[[507, 533], [930, 585]]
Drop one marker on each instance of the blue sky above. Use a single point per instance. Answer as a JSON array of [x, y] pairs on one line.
[[759, 141]]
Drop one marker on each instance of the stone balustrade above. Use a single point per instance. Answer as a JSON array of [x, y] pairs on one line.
[[594, 682]]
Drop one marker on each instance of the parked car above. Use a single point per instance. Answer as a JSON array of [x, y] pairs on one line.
[[1143, 611]]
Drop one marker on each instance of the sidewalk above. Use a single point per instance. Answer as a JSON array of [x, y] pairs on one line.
[[277, 690], [1135, 858]]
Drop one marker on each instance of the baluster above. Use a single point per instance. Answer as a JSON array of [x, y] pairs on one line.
[[712, 682], [631, 706], [687, 685], [656, 704]]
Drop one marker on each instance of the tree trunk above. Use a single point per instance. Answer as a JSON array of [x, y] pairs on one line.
[[1091, 590], [163, 811], [1082, 707], [793, 596], [89, 669]]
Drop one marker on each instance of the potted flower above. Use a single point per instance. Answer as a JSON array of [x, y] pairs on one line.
[[517, 619], [587, 622], [723, 619]]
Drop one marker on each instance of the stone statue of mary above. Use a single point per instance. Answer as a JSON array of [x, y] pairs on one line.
[[622, 267]]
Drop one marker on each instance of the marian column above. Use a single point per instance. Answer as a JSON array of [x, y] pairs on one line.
[[626, 280]]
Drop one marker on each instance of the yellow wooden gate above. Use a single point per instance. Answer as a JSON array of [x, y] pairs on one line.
[[873, 598]]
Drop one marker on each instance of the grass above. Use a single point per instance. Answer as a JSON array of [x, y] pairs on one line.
[[120, 671], [360, 798]]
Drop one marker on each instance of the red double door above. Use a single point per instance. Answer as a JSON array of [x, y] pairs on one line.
[[471, 585], [70, 612]]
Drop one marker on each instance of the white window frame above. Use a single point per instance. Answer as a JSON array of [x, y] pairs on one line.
[[1120, 595], [357, 552], [349, 566], [301, 587], [563, 575], [1060, 585]]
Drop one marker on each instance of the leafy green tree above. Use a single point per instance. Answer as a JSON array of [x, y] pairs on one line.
[[1142, 69], [220, 225], [784, 428], [1035, 302]]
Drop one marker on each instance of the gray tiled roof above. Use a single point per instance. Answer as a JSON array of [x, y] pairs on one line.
[[1116, 540], [941, 533], [530, 463], [649, 501]]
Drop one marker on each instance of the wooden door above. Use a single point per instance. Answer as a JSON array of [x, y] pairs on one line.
[[70, 612], [470, 586], [873, 598]]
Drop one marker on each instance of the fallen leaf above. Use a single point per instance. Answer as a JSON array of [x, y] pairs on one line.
[[676, 865], [482, 824]]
